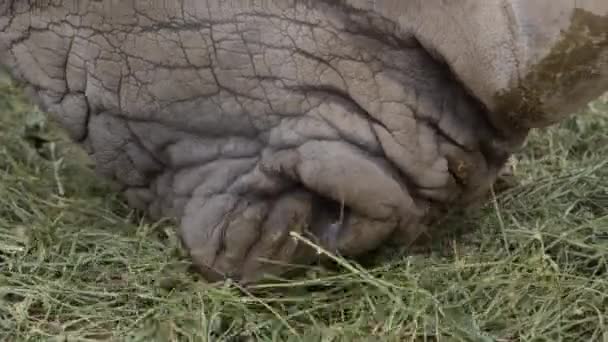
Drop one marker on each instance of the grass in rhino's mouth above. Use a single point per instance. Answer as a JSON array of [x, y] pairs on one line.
[[76, 263]]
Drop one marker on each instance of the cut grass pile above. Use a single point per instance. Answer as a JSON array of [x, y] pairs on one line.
[[77, 264]]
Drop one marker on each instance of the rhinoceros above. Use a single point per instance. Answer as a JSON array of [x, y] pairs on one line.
[[350, 123]]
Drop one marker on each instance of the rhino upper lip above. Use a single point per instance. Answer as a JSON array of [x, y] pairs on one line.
[[333, 91]]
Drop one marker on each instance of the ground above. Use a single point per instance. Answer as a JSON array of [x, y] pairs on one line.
[[77, 264]]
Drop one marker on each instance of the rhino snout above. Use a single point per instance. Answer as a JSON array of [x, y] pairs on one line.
[[347, 123]]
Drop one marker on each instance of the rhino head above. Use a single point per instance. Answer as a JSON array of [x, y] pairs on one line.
[[348, 122]]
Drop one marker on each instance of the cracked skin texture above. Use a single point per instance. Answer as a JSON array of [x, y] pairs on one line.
[[352, 125]]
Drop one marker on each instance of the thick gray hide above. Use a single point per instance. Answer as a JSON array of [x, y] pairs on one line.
[[351, 122]]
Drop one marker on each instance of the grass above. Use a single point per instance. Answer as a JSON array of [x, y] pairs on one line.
[[77, 265]]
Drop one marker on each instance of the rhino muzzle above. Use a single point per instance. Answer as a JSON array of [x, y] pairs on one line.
[[353, 123]]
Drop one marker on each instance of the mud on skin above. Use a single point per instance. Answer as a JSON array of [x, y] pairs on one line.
[[249, 123]]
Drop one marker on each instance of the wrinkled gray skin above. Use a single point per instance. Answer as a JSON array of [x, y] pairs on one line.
[[249, 120]]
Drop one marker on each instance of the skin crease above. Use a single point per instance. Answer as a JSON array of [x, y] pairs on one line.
[[353, 123]]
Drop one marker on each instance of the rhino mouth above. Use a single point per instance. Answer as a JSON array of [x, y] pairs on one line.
[[332, 124]]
